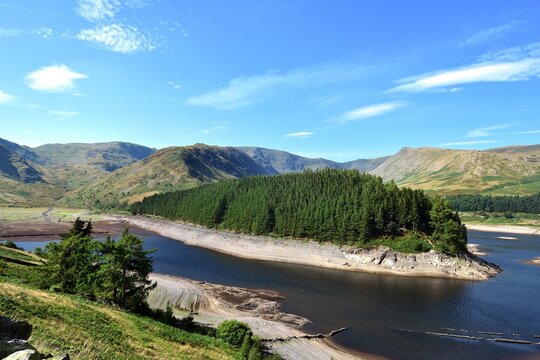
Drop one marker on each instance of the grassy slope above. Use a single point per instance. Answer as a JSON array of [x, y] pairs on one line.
[[88, 330], [175, 168], [513, 170], [520, 219]]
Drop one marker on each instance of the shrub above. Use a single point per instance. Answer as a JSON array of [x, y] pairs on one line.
[[234, 332]]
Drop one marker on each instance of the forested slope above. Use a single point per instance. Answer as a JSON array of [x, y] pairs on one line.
[[341, 206]]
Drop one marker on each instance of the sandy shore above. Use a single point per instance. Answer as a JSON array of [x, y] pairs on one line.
[[378, 260], [212, 304], [511, 229]]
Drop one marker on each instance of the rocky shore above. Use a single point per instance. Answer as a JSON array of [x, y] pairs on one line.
[[210, 304], [379, 260]]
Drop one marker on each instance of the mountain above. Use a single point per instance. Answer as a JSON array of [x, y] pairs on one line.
[[168, 169], [280, 162], [105, 157], [15, 167], [24, 151], [509, 170]]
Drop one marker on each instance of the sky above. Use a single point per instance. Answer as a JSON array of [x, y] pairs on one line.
[[343, 79]]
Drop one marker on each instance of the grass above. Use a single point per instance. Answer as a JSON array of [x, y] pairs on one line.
[[519, 219], [89, 330], [35, 214]]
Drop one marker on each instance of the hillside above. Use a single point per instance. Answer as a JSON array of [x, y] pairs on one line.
[[168, 169], [99, 156], [281, 162], [511, 170], [92, 330], [339, 206]]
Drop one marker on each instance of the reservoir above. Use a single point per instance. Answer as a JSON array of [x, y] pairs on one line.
[[388, 315]]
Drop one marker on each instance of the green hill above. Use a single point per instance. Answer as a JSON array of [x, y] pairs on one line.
[[91, 330], [166, 170], [511, 170]]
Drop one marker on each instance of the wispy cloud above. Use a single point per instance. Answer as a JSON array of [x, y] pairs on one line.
[[95, 10], [527, 132], [64, 114], [369, 111], [54, 78], [300, 134], [524, 69], [485, 131], [529, 51], [468, 142], [216, 126], [10, 32], [118, 38], [491, 34], [244, 91], [6, 98], [174, 85]]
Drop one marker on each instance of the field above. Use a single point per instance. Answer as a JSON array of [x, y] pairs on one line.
[[519, 219], [43, 214]]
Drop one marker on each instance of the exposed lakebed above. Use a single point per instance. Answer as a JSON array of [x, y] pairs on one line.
[[390, 315]]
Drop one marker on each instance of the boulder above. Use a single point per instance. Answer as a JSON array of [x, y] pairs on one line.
[[12, 329], [10, 346], [59, 357], [28, 354]]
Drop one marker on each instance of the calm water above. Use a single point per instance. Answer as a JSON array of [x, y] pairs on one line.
[[376, 307]]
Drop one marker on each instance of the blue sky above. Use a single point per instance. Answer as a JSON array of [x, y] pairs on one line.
[[340, 79]]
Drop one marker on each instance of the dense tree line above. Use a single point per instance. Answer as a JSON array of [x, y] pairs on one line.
[[341, 206], [496, 204]]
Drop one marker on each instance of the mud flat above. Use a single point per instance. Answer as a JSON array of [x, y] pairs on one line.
[[211, 304], [379, 260]]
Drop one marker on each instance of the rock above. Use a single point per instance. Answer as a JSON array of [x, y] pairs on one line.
[[10, 346], [28, 354], [14, 329]]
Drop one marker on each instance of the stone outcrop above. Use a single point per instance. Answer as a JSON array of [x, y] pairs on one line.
[[463, 266], [14, 344]]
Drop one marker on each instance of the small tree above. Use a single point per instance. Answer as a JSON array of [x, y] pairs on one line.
[[125, 269], [449, 233]]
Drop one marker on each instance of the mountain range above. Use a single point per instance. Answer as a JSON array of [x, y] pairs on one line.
[[103, 175]]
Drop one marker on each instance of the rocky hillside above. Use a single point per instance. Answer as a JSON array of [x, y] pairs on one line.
[[280, 162], [504, 170], [168, 169]]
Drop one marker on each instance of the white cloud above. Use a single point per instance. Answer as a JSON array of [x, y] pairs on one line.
[[516, 53], [97, 9], [523, 69], [369, 111], [244, 91], [174, 85], [469, 142], [118, 38], [53, 78], [64, 114], [44, 32], [300, 134], [5, 98], [216, 126], [94, 10], [491, 34], [485, 131]]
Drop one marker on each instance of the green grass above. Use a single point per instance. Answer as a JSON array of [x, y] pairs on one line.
[[409, 244], [89, 330], [520, 219]]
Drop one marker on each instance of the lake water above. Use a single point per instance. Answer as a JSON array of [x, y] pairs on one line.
[[377, 309]]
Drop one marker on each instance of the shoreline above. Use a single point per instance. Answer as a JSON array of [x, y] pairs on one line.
[[509, 229], [379, 260], [211, 304]]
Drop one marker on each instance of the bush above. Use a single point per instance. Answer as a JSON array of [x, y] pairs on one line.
[[234, 332]]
